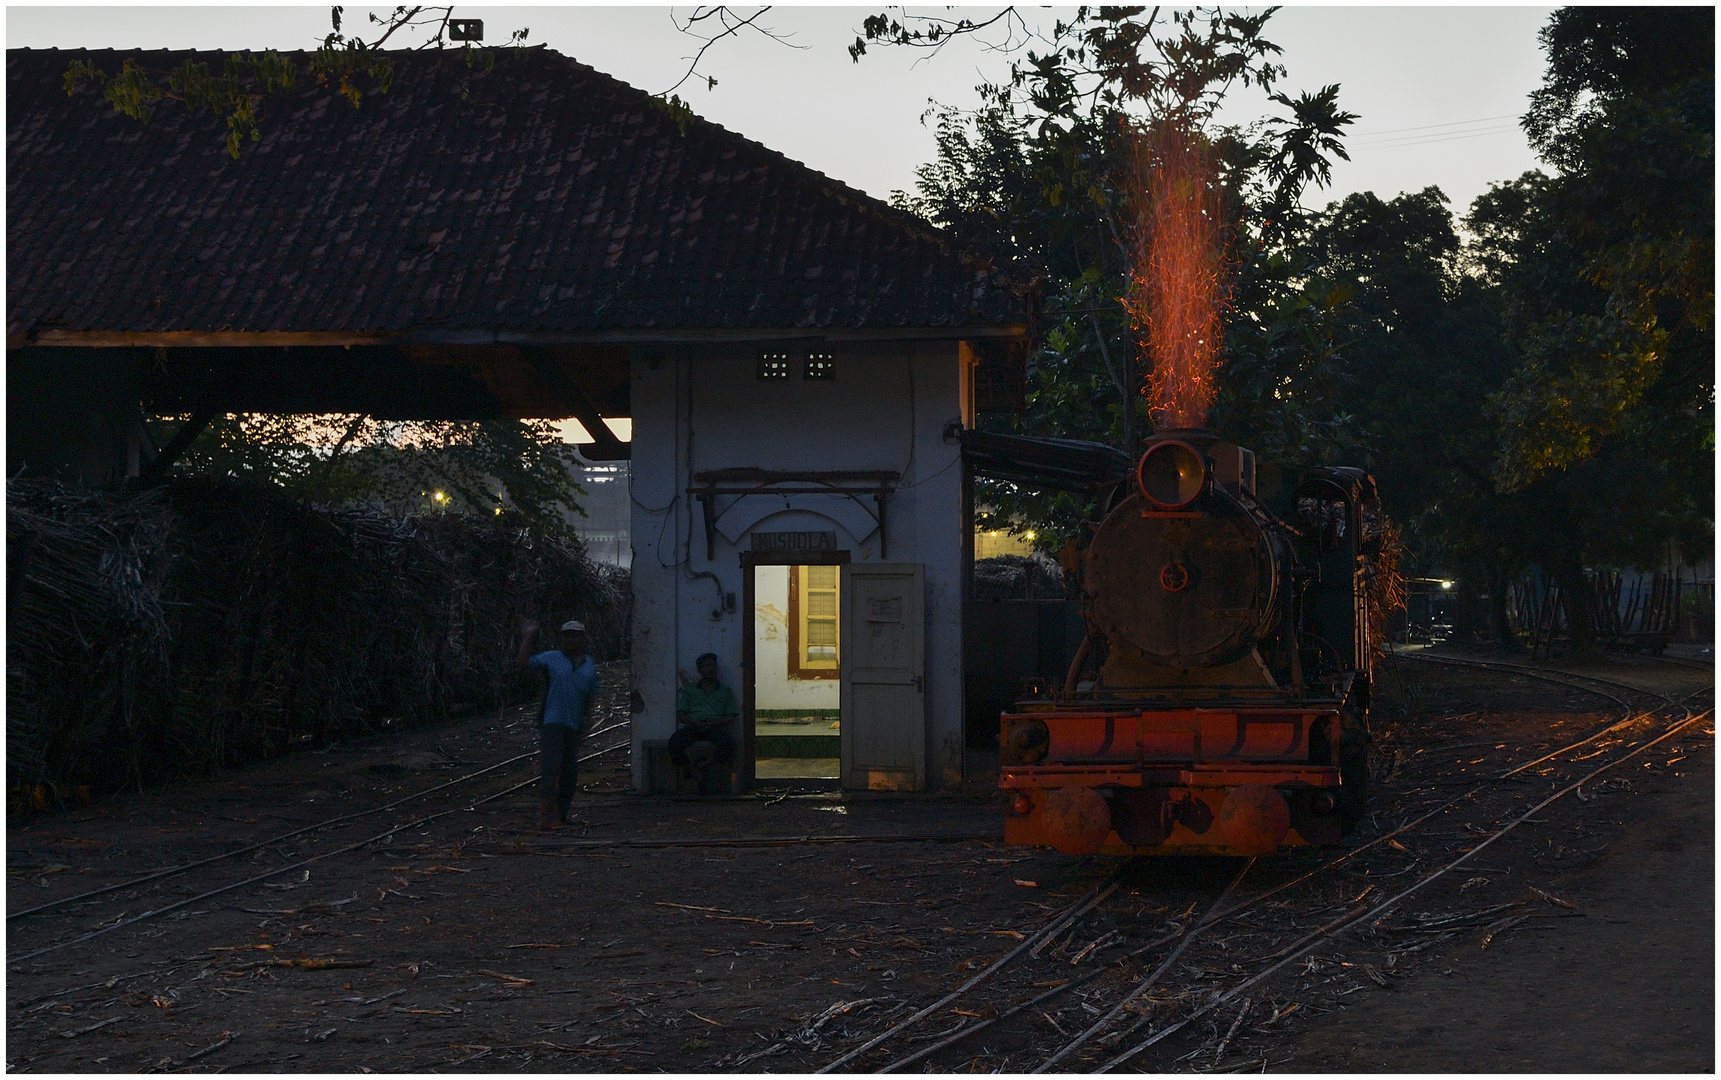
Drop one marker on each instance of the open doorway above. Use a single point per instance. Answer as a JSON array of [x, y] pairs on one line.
[[796, 674]]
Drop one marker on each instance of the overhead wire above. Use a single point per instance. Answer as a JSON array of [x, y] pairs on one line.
[[1399, 144], [1426, 127]]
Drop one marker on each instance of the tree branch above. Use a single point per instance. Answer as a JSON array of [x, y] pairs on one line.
[[723, 14]]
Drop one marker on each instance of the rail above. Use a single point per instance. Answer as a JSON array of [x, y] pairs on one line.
[[1220, 913]]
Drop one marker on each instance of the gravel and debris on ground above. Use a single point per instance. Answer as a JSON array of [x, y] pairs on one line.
[[478, 942]]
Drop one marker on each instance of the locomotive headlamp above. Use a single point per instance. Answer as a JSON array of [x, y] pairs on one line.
[[1171, 475], [1023, 741]]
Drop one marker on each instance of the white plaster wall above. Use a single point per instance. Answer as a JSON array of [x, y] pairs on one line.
[[772, 688], [698, 408], [657, 526]]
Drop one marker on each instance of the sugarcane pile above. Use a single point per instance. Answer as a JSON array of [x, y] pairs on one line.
[[169, 632], [1018, 577]]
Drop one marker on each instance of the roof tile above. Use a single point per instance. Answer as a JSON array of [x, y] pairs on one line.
[[552, 198]]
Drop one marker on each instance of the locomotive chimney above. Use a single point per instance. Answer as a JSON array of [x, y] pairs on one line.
[[1176, 451]]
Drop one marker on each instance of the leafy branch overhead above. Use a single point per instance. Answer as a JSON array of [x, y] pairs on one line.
[[1540, 393], [348, 64]]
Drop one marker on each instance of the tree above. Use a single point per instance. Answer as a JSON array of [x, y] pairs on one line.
[[490, 467], [1048, 173], [1610, 270], [1421, 350], [1605, 275]]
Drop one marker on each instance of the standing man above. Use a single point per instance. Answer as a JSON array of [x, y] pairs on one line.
[[573, 683], [703, 712]]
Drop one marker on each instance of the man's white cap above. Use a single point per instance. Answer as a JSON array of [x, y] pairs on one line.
[[574, 624]]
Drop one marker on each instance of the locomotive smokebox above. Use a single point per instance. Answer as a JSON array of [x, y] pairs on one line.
[[1185, 572], [1172, 474]]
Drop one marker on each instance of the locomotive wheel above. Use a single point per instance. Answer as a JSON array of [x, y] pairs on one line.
[[1353, 771]]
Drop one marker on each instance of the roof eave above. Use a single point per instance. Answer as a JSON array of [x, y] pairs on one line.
[[262, 339]]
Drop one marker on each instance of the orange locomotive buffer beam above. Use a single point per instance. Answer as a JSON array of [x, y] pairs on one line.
[[1199, 781]]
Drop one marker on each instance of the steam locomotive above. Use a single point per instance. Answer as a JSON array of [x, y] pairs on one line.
[[1219, 702]]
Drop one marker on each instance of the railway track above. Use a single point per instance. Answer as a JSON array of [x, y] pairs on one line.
[[1135, 989], [466, 799], [465, 803], [306, 830], [1685, 662], [1544, 674], [1128, 988]]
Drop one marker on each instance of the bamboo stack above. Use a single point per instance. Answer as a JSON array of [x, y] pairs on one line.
[[166, 633], [1644, 615]]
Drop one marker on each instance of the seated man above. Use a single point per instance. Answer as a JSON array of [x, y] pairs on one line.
[[704, 712]]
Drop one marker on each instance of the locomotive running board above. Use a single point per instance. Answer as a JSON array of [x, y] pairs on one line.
[[1183, 776]]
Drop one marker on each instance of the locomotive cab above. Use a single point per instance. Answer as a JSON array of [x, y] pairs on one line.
[[1219, 702]]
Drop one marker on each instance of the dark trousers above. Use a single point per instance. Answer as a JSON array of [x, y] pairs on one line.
[[723, 747], [558, 764]]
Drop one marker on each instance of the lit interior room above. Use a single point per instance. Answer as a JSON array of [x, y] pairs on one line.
[[797, 650]]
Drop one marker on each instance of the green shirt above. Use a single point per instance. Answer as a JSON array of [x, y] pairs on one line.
[[701, 705]]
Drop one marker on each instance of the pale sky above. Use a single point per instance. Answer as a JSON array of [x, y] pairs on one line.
[[1438, 89]]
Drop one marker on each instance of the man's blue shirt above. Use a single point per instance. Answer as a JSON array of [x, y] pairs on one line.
[[572, 687]]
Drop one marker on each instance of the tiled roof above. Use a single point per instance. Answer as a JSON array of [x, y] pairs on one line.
[[552, 199]]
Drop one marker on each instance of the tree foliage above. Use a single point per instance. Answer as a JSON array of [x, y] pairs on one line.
[[1421, 349], [517, 468], [1538, 394], [1608, 267], [1046, 173]]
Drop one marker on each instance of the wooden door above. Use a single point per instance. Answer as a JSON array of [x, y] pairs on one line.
[[883, 677]]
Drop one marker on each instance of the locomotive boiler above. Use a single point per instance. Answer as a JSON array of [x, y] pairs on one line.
[[1219, 701]]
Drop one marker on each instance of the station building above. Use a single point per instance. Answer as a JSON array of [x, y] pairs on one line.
[[795, 362]]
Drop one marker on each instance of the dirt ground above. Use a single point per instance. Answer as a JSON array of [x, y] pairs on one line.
[[1626, 983], [476, 942]]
